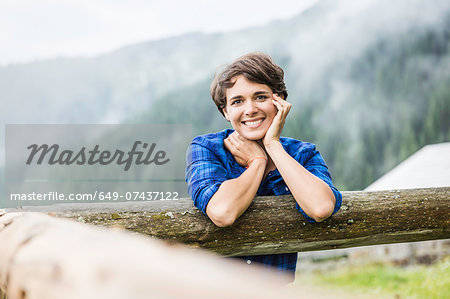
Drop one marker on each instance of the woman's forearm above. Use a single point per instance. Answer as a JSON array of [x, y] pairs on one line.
[[312, 194], [234, 196]]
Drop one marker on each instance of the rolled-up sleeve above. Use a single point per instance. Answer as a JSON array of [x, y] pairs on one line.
[[204, 174]]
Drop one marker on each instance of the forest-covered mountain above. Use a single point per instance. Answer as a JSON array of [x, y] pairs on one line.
[[366, 112], [369, 82]]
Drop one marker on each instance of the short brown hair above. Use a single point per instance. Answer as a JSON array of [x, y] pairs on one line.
[[256, 67]]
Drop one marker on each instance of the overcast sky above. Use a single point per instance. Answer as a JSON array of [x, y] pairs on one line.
[[39, 29]]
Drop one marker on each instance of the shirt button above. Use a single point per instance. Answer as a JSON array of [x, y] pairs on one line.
[[287, 189], [249, 262]]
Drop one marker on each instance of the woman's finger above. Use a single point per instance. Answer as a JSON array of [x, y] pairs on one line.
[[241, 138], [234, 138], [277, 97], [281, 105], [278, 105]]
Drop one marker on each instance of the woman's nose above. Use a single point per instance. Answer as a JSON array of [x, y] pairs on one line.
[[250, 107]]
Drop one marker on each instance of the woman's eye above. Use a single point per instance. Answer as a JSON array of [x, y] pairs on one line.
[[235, 102], [261, 98]]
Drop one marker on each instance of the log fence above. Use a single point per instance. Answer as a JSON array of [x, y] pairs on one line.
[[36, 250]]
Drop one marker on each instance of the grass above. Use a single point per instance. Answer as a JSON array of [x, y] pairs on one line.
[[381, 279]]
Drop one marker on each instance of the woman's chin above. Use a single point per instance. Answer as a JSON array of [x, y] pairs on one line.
[[252, 135]]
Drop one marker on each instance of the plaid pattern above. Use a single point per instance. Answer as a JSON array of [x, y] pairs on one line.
[[209, 164]]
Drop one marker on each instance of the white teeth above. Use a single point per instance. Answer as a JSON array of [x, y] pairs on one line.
[[253, 123]]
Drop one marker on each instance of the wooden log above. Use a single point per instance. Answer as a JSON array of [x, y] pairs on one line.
[[46, 257], [273, 225]]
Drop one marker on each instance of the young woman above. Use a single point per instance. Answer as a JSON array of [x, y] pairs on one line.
[[226, 170]]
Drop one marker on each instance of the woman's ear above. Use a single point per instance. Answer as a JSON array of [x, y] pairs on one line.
[[225, 114]]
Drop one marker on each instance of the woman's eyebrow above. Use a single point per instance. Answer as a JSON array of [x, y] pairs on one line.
[[236, 97], [257, 93]]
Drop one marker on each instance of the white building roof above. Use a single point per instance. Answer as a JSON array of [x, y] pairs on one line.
[[428, 167]]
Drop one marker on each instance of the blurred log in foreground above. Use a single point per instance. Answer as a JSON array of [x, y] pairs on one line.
[[273, 225], [46, 257]]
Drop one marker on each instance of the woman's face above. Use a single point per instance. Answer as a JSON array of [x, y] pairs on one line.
[[249, 108]]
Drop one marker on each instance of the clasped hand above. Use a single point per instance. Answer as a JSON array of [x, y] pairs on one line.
[[243, 150]]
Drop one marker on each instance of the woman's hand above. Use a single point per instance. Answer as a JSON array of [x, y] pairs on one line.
[[234, 196], [243, 150], [274, 131]]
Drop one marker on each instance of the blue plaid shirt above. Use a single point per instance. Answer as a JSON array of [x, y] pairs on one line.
[[209, 164]]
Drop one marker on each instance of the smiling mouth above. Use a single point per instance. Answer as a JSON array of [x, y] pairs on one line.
[[253, 123]]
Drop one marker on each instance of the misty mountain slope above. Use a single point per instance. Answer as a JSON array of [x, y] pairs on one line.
[[395, 100], [114, 86], [366, 115], [367, 79], [331, 34], [107, 88]]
